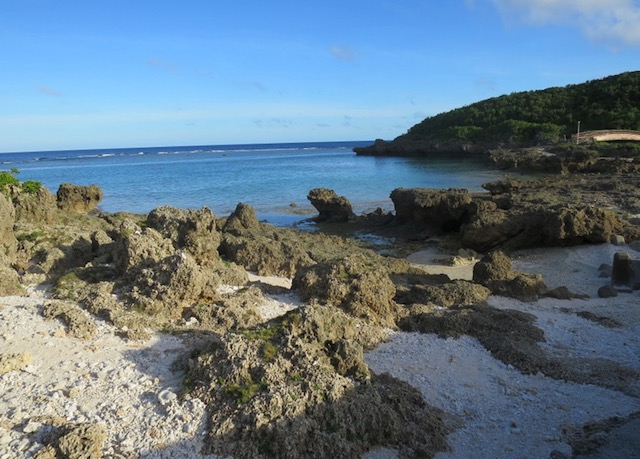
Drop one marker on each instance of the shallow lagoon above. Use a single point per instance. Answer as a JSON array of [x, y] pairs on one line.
[[274, 178]]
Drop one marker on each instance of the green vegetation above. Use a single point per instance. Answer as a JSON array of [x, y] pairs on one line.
[[30, 237], [31, 186], [263, 334], [8, 178], [269, 337], [243, 392], [539, 116]]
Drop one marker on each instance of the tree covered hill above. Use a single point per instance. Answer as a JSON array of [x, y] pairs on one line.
[[526, 118]]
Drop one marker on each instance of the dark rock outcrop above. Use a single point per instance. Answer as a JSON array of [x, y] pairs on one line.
[[298, 387], [450, 294], [38, 207], [78, 198], [332, 208], [354, 284], [537, 226], [625, 273], [494, 271], [439, 211], [607, 291], [521, 213], [431, 148], [260, 247], [9, 280], [527, 159], [192, 230]]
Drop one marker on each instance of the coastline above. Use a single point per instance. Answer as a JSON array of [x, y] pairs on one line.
[[510, 357], [274, 180], [132, 389]]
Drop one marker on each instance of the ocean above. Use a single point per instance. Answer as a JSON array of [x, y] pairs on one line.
[[273, 178]]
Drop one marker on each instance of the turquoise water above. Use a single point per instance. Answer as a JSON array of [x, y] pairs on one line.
[[273, 178]]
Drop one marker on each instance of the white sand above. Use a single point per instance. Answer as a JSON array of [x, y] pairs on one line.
[[507, 414], [127, 388], [131, 390]]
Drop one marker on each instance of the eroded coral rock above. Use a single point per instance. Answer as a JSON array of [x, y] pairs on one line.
[[260, 247], [80, 441], [331, 207], [78, 198], [8, 242], [14, 361], [298, 387], [9, 279], [192, 230], [243, 218], [355, 283], [78, 323], [440, 211], [494, 271], [36, 207], [448, 294], [535, 226]]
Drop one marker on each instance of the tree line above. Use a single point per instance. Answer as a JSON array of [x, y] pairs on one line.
[[540, 116]]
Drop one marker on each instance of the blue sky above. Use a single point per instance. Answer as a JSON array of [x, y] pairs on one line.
[[102, 74]]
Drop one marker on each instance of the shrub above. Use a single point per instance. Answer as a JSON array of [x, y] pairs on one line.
[[31, 186], [7, 179]]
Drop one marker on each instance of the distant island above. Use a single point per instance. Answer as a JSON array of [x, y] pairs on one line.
[[522, 119]]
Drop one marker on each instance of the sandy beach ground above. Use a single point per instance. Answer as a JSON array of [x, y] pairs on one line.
[[131, 389], [503, 413]]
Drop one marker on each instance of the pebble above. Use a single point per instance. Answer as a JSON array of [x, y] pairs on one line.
[[166, 396], [5, 438]]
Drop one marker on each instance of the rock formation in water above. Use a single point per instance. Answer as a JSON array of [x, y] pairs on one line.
[[79, 199], [331, 207]]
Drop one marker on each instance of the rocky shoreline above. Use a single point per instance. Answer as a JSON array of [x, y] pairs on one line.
[[293, 382]]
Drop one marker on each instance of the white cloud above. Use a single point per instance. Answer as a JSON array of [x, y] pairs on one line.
[[617, 20]]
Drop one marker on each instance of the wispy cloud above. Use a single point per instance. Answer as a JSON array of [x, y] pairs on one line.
[[342, 53], [273, 123], [173, 68], [617, 20], [470, 3], [252, 85], [279, 115], [162, 64], [49, 91]]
